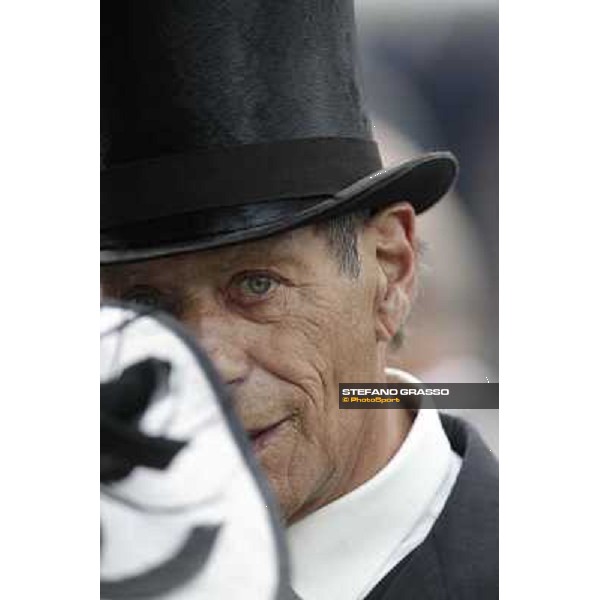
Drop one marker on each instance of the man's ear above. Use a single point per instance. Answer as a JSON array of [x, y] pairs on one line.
[[392, 233]]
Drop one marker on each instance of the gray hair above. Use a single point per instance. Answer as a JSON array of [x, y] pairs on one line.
[[341, 233]]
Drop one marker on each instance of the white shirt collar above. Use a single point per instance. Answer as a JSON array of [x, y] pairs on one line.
[[339, 550]]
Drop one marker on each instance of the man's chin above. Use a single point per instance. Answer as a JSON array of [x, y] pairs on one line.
[[274, 454], [297, 487]]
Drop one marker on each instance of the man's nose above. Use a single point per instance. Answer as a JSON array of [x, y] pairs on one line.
[[224, 347]]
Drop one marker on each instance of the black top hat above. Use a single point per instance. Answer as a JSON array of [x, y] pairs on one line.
[[230, 120]]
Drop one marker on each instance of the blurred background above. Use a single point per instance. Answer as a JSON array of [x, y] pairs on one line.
[[430, 72]]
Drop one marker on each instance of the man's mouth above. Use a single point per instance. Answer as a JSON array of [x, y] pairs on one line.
[[263, 437]]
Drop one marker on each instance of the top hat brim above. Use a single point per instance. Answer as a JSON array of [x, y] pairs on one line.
[[421, 182]]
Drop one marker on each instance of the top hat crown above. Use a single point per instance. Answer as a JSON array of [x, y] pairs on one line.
[[229, 120]]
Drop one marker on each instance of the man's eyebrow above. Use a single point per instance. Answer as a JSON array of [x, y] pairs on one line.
[[123, 276], [278, 254]]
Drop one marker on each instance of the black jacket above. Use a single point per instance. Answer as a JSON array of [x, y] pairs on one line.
[[459, 558]]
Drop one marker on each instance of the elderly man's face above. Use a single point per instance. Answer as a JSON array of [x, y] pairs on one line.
[[283, 327]]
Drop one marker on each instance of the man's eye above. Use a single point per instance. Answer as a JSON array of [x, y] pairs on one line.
[[257, 286], [147, 299]]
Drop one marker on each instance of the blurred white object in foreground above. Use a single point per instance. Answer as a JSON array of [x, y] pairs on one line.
[[200, 524]]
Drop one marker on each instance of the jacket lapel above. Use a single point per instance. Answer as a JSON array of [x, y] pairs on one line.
[[459, 557]]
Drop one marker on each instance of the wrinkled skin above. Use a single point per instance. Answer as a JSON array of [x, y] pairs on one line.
[[283, 326]]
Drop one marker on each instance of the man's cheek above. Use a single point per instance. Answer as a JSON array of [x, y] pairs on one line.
[[298, 363]]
